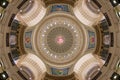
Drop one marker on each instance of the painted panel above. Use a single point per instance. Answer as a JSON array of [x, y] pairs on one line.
[[12, 40], [91, 39], [106, 39], [59, 72], [59, 8], [28, 39]]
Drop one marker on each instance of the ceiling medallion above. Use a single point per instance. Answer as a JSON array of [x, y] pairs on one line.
[[59, 38]]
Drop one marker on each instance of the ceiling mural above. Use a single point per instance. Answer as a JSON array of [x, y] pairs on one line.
[[59, 40]]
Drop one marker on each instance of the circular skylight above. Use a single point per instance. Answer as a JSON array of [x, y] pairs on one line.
[[59, 38]]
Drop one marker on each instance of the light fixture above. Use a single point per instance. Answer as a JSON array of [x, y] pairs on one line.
[[4, 3], [3, 75], [115, 76], [114, 1]]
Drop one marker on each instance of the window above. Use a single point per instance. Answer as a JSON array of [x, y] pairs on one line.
[[15, 54], [108, 19], [7, 39], [15, 25], [97, 3], [21, 4], [21, 75], [11, 19], [11, 59], [97, 76], [104, 25], [108, 59]]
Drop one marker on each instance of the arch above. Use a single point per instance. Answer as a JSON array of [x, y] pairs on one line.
[[86, 64], [34, 15], [85, 15], [33, 63]]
